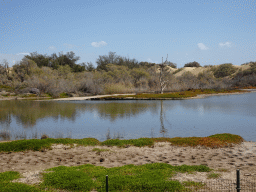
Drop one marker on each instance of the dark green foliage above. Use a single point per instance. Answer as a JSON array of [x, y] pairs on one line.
[[192, 64], [55, 61], [2, 70], [253, 65], [130, 63], [89, 66], [39, 59], [208, 66], [171, 64], [146, 64], [251, 62], [4, 67], [102, 61], [224, 70], [24, 68], [111, 58], [138, 74]]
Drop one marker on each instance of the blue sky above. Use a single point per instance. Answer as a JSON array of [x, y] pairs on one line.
[[206, 31]]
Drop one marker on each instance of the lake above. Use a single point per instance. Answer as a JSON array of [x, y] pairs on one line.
[[130, 119]]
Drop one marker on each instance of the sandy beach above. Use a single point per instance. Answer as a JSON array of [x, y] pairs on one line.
[[239, 156]]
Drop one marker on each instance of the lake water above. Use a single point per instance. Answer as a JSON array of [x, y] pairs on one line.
[[235, 114]]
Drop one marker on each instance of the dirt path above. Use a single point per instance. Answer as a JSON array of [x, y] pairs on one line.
[[84, 98]]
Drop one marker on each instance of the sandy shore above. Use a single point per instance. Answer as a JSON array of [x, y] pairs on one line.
[[61, 99], [88, 97], [197, 97], [99, 96], [240, 156]]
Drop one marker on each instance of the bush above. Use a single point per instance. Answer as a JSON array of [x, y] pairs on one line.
[[117, 88], [224, 70], [24, 68], [188, 80], [253, 64], [138, 74], [207, 75], [2, 70], [192, 64], [245, 81], [171, 64], [208, 66]]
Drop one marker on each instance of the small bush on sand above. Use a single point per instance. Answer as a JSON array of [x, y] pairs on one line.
[[192, 64], [224, 70]]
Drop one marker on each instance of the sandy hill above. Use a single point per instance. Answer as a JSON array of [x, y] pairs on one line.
[[197, 70]]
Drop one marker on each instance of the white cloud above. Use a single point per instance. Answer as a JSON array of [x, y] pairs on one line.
[[52, 48], [227, 44], [22, 54], [202, 46], [99, 44]]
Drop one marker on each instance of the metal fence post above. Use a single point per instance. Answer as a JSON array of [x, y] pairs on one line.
[[238, 180], [106, 183]]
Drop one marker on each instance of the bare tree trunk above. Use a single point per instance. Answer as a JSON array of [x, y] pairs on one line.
[[161, 80]]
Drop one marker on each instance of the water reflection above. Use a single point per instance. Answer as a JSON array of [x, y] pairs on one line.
[[92, 118], [28, 113], [163, 130]]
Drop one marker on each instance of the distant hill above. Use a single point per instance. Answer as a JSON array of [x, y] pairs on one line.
[[197, 70]]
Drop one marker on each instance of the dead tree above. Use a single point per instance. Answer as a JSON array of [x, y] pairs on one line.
[[163, 76]]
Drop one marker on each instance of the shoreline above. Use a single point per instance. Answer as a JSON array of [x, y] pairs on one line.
[[200, 96], [97, 97]]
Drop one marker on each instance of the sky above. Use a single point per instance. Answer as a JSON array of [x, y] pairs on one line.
[[206, 31]]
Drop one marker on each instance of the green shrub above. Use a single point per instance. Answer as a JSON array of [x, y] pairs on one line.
[[224, 70], [208, 66], [253, 64], [117, 88], [192, 64], [171, 64], [64, 95]]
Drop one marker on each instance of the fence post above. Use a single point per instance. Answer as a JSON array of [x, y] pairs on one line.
[[106, 183], [238, 180]]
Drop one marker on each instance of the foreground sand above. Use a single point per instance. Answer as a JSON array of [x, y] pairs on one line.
[[240, 156]]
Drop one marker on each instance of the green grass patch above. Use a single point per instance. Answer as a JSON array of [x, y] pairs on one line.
[[147, 177], [6, 95], [217, 140], [182, 94], [213, 175], [28, 96], [6, 88], [64, 95]]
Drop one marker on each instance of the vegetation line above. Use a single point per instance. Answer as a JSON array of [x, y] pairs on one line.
[[59, 76], [174, 95]]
